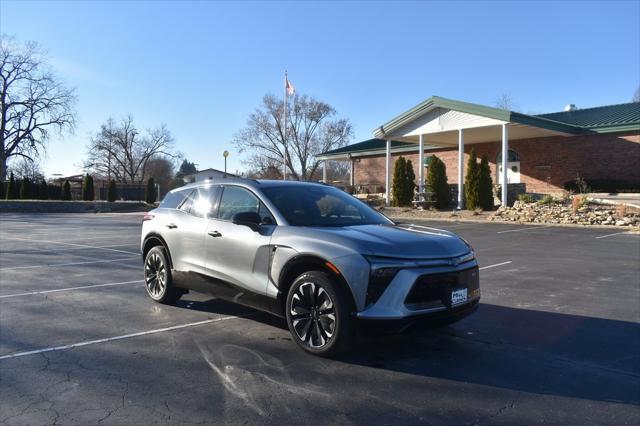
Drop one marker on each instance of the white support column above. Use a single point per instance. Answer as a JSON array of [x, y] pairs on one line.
[[421, 167], [387, 176], [505, 159], [460, 169], [352, 180], [324, 171]]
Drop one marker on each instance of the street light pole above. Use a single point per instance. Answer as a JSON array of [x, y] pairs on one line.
[[225, 154]]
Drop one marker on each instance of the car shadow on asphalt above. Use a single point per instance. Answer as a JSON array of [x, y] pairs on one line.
[[521, 349], [526, 350]]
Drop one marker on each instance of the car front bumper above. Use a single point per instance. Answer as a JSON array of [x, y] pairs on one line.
[[417, 322], [424, 295]]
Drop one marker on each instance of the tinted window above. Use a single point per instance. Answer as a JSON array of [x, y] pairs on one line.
[[312, 205], [237, 200], [173, 199]]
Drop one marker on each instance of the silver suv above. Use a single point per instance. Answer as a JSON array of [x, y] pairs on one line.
[[310, 253]]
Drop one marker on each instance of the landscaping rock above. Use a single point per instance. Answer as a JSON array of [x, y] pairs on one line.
[[560, 213]]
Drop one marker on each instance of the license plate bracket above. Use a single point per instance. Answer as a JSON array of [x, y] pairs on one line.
[[459, 296]]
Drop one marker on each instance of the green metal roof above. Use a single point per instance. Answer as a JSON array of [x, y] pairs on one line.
[[369, 145], [599, 118], [475, 109]]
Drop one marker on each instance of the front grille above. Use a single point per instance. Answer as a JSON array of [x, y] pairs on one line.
[[430, 291]]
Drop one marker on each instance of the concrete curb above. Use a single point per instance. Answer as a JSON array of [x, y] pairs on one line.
[[613, 202]]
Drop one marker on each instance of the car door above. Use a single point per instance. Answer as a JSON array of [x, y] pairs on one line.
[[185, 231], [236, 254]]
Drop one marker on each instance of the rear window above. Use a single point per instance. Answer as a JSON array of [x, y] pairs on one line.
[[173, 199]]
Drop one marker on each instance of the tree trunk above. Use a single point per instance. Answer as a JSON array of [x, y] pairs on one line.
[[3, 166]]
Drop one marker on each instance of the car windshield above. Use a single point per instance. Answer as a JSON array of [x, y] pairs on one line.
[[315, 205]]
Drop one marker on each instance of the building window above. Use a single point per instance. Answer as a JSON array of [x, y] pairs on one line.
[[513, 157]]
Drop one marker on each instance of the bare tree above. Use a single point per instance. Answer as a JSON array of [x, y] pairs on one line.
[[310, 131], [636, 95], [338, 171], [506, 101], [161, 169], [33, 102], [121, 152], [24, 167]]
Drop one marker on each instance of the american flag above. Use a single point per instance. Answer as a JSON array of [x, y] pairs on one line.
[[289, 87]]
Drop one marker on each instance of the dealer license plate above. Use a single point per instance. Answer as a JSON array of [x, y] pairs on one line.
[[458, 296]]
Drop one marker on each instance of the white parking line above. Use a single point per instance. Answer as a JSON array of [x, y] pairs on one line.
[[495, 265], [122, 337], [82, 287], [524, 229], [616, 233], [73, 263], [68, 244]]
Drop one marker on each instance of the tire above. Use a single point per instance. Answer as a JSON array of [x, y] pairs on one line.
[[157, 277], [319, 314]]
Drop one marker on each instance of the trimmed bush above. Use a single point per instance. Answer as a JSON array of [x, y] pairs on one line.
[[25, 189], [66, 191], [12, 188], [403, 183], [111, 191], [437, 183], [150, 192], [54, 192], [472, 183], [526, 198], [485, 185], [43, 194], [88, 193], [547, 199]]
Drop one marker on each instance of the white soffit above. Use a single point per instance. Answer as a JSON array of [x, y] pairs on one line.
[[443, 120]]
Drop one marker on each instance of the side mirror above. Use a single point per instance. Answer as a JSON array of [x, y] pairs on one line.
[[250, 219]]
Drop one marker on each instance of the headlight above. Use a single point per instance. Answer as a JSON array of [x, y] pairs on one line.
[[464, 258]]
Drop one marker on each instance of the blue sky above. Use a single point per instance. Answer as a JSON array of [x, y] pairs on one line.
[[202, 67]]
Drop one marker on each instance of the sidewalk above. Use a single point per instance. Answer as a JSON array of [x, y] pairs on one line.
[[631, 199]]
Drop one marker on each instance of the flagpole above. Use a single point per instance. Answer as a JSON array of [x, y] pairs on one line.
[[284, 154]]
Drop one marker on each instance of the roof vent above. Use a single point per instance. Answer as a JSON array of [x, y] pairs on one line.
[[570, 107]]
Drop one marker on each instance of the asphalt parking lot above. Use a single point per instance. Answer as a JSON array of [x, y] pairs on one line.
[[556, 339]]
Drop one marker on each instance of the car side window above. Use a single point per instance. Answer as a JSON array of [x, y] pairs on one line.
[[188, 202], [204, 201], [173, 199], [239, 200]]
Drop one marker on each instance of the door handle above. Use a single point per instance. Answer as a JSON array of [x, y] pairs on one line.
[[171, 225], [214, 234]]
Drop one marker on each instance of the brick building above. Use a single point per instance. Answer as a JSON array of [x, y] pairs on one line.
[[544, 151]]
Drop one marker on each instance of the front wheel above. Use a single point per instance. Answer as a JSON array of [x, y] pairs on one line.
[[157, 277], [319, 316]]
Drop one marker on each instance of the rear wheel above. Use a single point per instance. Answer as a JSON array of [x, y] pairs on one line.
[[318, 313], [157, 277]]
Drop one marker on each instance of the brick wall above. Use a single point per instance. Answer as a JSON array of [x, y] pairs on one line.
[[546, 163]]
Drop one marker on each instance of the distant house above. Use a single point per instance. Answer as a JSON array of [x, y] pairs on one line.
[[205, 174]]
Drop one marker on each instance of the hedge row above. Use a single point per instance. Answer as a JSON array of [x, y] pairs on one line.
[[25, 189]]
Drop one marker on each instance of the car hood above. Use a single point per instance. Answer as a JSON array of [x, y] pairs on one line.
[[403, 241]]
